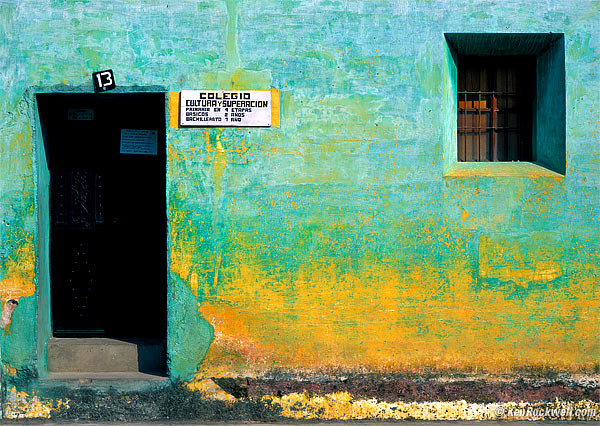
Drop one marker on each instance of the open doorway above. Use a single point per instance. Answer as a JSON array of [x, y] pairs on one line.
[[106, 159]]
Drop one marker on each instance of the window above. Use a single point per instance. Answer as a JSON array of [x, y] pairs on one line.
[[495, 98], [504, 108]]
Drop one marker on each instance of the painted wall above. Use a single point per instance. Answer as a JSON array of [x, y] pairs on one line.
[[336, 242]]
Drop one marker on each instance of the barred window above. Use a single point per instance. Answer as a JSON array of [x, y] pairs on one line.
[[495, 107]]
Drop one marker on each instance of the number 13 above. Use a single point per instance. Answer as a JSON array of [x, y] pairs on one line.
[[109, 79]]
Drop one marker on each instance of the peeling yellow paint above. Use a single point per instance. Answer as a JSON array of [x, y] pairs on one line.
[[20, 271], [342, 406], [194, 283], [183, 236], [382, 316], [210, 390], [21, 405], [9, 370], [219, 165], [521, 261]]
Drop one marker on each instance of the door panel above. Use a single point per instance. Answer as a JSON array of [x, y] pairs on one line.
[[77, 206]]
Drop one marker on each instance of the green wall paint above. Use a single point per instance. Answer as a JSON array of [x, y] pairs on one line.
[[348, 196]]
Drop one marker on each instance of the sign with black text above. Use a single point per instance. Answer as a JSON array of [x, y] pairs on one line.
[[140, 142], [103, 80], [225, 108]]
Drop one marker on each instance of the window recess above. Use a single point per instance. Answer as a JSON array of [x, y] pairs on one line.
[[504, 104]]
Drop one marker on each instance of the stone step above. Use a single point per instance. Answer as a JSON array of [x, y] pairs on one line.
[[101, 355]]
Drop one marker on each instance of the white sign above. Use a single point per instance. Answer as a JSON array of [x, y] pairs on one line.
[[139, 141], [225, 108]]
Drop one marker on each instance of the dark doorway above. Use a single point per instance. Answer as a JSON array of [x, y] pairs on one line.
[[107, 213]]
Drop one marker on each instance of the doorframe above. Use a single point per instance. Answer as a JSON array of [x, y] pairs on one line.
[[41, 177]]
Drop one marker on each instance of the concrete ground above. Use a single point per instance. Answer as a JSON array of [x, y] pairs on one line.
[[361, 423]]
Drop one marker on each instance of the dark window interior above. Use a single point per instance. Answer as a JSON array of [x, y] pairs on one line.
[[495, 104]]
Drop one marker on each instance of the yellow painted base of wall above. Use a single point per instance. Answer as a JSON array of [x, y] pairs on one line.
[[20, 405], [342, 406]]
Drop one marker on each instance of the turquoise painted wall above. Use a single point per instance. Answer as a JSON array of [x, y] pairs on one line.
[[338, 240]]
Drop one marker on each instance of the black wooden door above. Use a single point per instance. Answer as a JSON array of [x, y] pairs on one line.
[[79, 241]]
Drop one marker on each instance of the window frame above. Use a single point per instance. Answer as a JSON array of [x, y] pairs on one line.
[[548, 147]]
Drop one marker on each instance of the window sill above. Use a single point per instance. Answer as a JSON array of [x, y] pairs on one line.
[[508, 169]]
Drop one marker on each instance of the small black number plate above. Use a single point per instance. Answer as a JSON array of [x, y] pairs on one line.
[[103, 81]]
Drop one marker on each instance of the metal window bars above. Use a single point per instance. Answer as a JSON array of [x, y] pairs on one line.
[[494, 103]]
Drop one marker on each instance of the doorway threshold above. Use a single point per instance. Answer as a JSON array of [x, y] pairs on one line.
[[104, 358], [91, 377], [104, 382]]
